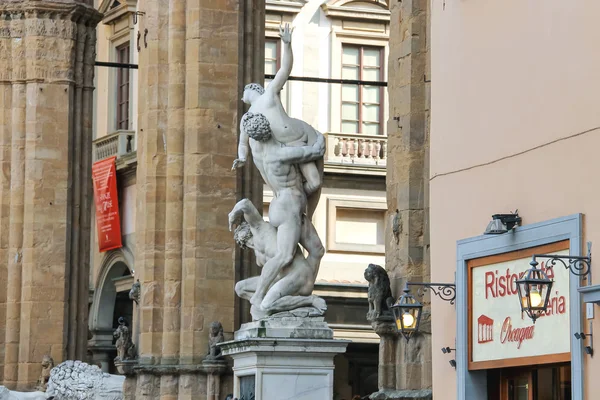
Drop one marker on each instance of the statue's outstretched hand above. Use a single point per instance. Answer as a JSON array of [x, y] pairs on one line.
[[238, 163], [285, 33]]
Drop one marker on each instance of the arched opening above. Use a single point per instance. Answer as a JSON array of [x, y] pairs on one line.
[[111, 301]]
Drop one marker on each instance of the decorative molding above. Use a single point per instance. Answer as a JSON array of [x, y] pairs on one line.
[[590, 294], [355, 333], [284, 7], [333, 203], [123, 10], [123, 283], [375, 11], [208, 367]]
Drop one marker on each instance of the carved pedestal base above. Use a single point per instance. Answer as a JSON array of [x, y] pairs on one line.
[[286, 326], [214, 369], [299, 369], [126, 367]]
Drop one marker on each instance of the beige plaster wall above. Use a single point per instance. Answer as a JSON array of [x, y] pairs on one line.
[[509, 79]]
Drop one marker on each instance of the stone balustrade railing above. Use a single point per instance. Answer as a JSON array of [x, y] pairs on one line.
[[357, 149], [117, 144]]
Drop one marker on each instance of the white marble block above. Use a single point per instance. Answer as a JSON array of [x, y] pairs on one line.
[[276, 368]]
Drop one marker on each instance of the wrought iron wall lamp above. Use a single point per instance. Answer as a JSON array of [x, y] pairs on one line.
[[535, 287], [408, 310]]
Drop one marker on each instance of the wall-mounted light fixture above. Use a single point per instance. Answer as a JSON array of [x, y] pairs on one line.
[[135, 16], [447, 350], [582, 336], [407, 309], [534, 291], [502, 223], [535, 286], [452, 363]]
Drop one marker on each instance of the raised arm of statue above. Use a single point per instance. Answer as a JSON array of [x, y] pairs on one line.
[[287, 60], [242, 149], [303, 154]]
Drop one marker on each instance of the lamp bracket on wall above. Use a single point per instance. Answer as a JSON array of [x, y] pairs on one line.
[[135, 16], [589, 349], [445, 291], [579, 266]]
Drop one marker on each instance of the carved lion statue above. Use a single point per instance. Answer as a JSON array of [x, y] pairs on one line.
[[215, 336], [47, 365], [379, 290], [76, 380]]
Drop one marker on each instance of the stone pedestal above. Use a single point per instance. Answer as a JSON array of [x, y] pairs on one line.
[[214, 369], [394, 355], [284, 358]]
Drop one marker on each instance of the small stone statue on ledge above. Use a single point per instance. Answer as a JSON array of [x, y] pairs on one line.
[[47, 365], [215, 336], [379, 291], [134, 293], [124, 344]]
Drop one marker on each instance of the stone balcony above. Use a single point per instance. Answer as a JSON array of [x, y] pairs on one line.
[[356, 153], [121, 144]]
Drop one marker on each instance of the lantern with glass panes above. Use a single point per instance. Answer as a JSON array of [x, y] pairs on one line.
[[407, 313], [534, 291]]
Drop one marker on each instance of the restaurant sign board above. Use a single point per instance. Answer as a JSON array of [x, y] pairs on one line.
[[502, 336]]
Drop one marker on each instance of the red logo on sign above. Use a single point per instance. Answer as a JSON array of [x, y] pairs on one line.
[[104, 175], [485, 329]]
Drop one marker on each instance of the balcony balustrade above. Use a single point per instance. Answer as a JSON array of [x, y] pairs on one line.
[[120, 144], [356, 150]]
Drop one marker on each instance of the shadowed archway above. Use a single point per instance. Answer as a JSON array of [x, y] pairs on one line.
[[110, 301]]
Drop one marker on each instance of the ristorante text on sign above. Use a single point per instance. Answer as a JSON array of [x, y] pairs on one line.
[[104, 174], [499, 331]]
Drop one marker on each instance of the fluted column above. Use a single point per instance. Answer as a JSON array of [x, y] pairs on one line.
[[46, 84], [190, 80]]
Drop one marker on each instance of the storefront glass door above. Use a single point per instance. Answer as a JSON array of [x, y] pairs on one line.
[[518, 387], [532, 383]]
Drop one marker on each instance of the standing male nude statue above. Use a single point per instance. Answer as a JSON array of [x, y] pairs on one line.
[[293, 286], [278, 166], [290, 132]]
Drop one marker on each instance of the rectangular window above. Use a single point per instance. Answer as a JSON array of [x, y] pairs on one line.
[[362, 106], [123, 88], [272, 65]]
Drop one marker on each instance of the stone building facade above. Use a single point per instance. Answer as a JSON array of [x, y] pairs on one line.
[[351, 215], [175, 151]]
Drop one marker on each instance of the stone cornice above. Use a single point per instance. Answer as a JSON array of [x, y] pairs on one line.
[[76, 12], [207, 367], [345, 9], [123, 10], [282, 6], [356, 13]]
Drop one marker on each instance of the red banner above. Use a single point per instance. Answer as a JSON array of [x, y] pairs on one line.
[[104, 174]]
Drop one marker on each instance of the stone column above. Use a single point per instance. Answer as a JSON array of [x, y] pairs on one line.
[[407, 250], [386, 374], [191, 73], [47, 54]]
